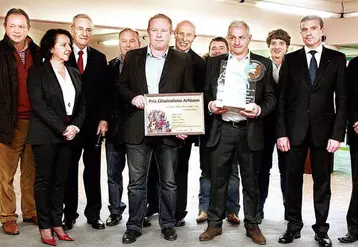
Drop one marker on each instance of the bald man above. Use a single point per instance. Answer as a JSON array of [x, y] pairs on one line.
[[184, 35]]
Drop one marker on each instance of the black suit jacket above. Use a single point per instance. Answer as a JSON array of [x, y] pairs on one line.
[[176, 77], [116, 105], [352, 79], [303, 108], [48, 118], [264, 97], [96, 89]]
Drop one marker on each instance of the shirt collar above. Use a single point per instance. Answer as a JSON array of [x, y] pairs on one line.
[[149, 52], [231, 56], [317, 49], [28, 40], [76, 49]]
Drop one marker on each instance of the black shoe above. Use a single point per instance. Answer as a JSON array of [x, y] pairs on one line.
[[113, 219], [146, 222], [169, 234], [130, 236], [349, 238], [323, 240], [67, 224], [96, 223], [289, 236], [180, 223]]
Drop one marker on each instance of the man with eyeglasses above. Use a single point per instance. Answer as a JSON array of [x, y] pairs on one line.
[[17, 54], [92, 64]]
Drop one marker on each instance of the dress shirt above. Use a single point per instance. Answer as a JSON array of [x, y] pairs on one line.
[[153, 70], [68, 91], [317, 55], [84, 55], [235, 86], [275, 70]]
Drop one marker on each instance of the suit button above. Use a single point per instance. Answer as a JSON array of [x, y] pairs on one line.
[[308, 111]]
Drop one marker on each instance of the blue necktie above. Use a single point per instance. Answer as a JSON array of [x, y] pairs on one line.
[[313, 67]]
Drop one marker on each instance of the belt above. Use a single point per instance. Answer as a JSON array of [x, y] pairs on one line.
[[236, 124]]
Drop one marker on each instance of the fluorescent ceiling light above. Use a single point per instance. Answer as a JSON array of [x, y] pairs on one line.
[[293, 10], [111, 42], [352, 14]]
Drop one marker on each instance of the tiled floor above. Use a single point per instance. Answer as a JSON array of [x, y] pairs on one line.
[[273, 225]]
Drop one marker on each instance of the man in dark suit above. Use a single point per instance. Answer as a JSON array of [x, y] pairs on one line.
[[115, 148], [237, 132], [352, 136], [308, 117], [153, 69], [92, 65], [184, 35]]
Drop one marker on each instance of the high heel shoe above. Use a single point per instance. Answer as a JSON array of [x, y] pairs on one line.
[[64, 237], [49, 241]]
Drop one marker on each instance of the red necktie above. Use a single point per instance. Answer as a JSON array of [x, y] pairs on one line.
[[80, 62]]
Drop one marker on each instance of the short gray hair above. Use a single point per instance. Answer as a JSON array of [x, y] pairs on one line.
[[313, 17], [238, 24]]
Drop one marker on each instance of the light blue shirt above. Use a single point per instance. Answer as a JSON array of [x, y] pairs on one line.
[[153, 70]]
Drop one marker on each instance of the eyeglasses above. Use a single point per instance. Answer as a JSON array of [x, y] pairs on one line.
[[21, 27], [181, 35], [81, 29]]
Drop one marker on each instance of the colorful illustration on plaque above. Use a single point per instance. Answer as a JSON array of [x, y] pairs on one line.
[[157, 122]]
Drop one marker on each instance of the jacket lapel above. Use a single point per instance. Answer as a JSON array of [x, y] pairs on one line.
[[76, 83], [90, 61], [166, 68], [54, 81], [302, 69], [141, 58], [323, 65]]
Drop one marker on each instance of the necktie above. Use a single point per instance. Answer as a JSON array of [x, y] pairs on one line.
[[80, 62], [313, 67]]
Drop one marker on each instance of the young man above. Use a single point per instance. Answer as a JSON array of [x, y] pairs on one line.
[[17, 54], [278, 42]]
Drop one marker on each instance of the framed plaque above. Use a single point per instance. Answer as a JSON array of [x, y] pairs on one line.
[[235, 101], [174, 114]]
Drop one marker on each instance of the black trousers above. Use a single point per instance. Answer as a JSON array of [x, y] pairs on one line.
[[266, 165], [51, 168], [321, 174], [234, 140], [352, 215], [91, 178]]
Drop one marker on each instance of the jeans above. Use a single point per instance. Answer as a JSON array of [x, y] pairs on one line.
[[139, 158], [233, 194], [116, 161]]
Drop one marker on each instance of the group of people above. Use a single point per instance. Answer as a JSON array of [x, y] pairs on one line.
[[62, 98]]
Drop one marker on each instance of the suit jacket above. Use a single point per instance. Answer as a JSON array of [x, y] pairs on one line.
[[96, 89], [48, 118], [116, 105], [303, 108], [264, 97], [352, 79], [199, 72], [176, 77]]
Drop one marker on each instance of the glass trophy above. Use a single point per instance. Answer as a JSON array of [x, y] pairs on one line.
[[221, 84], [236, 101]]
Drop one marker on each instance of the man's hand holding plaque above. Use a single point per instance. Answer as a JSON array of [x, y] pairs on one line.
[[138, 101], [251, 110], [216, 108]]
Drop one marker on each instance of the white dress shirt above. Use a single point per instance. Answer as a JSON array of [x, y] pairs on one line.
[[235, 86], [84, 55], [68, 91], [317, 55]]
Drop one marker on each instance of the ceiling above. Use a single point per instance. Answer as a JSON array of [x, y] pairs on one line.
[[211, 17]]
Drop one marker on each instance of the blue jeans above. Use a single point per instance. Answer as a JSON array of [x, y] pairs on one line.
[[233, 193], [139, 158], [116, 161]]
